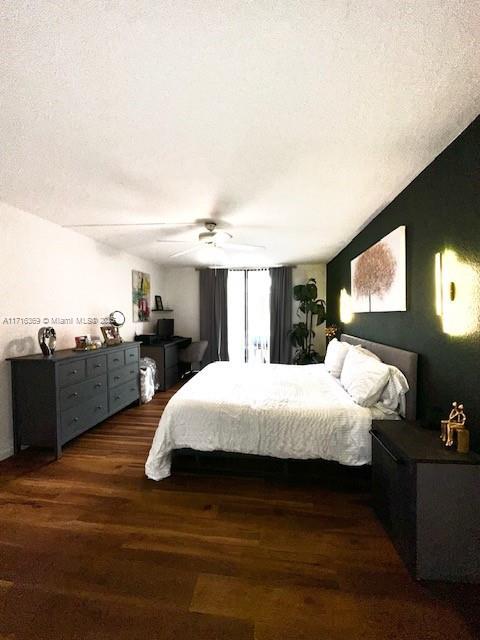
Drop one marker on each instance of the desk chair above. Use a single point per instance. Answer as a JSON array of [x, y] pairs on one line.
[[193, 354]]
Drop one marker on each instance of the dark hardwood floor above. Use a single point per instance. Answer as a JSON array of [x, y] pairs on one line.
[[91, 549]]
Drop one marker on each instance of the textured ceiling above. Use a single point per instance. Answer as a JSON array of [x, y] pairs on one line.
[[294, 122]]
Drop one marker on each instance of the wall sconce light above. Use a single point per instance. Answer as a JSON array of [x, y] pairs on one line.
[[445, 288], [456, 294], [346, 313]]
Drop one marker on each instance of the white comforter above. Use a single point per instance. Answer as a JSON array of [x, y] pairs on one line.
[[272, 410]]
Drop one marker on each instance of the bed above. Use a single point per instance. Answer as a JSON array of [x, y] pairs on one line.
[[279, 411]]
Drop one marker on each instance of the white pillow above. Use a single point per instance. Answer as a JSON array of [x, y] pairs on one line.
[[335, 356], [392, 399], [366, 352], [363, 377]]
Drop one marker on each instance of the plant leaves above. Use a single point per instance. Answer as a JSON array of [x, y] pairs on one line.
[[301, 335], [311, 289], [299, 292], [321, 312]]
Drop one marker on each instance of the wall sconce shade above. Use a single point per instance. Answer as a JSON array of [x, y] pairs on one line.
[[456, 294]]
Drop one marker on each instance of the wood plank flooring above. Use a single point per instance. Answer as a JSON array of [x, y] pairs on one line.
[[91, 549]]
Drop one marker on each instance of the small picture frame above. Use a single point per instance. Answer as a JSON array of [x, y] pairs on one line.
[[81, 342], [158, 303], [111, 335]]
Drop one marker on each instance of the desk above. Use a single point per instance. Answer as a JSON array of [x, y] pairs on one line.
[[165, 354]]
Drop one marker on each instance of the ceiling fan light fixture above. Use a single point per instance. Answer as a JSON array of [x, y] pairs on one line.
[[212, 255], [217, 237]]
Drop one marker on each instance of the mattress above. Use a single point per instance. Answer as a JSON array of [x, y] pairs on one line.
[[271, 410]]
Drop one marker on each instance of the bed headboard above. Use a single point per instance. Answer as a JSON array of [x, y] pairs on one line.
[[406, 361]]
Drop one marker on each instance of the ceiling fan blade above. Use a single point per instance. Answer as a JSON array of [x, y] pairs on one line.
[[184, 253], [134, 224], [241, 247]]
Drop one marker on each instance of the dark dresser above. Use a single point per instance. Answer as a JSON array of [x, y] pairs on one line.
[[428, 499], [165, 354], [56, 399]]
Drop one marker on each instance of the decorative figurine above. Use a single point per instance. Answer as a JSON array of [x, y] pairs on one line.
[[455, 426], [47, 339]]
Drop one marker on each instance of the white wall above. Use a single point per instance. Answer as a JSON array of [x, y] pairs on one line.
[[181, 291], [48, 271], [300, 275]]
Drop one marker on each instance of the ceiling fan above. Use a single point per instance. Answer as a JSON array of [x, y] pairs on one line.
[[211, 239]]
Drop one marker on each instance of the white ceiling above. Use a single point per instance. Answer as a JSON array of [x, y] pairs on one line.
[[294, 121]]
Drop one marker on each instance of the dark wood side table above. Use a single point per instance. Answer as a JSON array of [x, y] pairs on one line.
[[428, 499]]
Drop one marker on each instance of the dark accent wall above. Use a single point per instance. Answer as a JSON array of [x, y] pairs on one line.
[[441, 209]]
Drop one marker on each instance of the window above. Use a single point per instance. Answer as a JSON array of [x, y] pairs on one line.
[[249, 315]]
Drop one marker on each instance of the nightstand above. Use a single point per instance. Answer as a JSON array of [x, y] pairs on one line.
[[428, 499]]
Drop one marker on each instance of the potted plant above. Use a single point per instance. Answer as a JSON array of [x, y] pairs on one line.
[[314, 313]]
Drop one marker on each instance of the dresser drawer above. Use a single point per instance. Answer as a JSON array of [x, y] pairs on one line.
[[123, 395], [71, 372], [131, 355], [76, 394], [120, 376], [116, 359], [80, 418], [96, 366]]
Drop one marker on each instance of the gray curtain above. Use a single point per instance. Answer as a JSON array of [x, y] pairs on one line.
[[280, 315], [213, 313]]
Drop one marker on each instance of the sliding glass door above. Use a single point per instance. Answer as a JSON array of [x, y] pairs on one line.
[[236, 288], [249, 315]]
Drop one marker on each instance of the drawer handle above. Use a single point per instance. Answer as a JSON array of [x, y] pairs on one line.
[[387, 450], [116, 377], [99, 407], [117, 397], [132, 389], [132, 370], [131, 355], [73, 372], [98, 366], [73, 395], [75, 420], [98, 384], [116, 360]]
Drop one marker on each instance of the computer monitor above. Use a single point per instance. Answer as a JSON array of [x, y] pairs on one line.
[[165, 328]]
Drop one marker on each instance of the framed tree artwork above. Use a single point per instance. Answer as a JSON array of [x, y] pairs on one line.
[[378, 275], [141, 296]]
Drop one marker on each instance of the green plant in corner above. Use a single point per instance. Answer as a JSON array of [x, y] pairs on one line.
[[302, 334]]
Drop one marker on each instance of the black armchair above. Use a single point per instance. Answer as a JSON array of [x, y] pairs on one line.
[[192, 355]]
